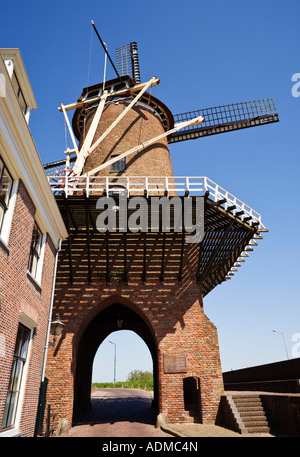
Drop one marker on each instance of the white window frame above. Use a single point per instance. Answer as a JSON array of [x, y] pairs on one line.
[[37, 278], [15, 429], [8, 215]]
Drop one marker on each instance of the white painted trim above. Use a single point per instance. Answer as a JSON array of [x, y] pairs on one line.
[[40, 266], [8, 217], [14, 431], [14, 55], [34, 279], [4, 244], [23, 161], [27, 320], [11, 433], [24, 380]]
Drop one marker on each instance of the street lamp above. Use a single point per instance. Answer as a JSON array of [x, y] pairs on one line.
[[56, 329], [277, 331], [115, 357]]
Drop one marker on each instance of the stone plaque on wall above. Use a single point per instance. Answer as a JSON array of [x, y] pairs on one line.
[[175, 363]]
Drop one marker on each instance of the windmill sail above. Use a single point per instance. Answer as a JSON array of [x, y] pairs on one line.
[[128, 61], [226, 118]]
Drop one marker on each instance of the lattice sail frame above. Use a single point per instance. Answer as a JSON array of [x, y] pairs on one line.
[[128, 61], [225, 118]]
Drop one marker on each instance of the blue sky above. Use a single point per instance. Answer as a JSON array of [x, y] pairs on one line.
[[205, 54]]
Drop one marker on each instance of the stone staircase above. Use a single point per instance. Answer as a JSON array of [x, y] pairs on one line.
[[191, 415], [249, 413]]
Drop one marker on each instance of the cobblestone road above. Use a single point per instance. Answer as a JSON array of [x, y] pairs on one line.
[[119, 413]]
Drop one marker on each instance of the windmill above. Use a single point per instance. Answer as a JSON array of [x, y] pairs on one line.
[[187, 125], [121, 135], [81, 172]]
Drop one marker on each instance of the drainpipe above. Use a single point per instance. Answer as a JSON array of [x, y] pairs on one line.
[[51, 309], [43, 386]]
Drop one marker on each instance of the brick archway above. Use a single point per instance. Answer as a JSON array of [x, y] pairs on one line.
[[113, 317], [182, 340]]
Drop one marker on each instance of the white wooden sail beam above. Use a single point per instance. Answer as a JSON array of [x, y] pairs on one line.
[[116, 121], [196, 120], [84, 151], [69, 127], [125, 91], [92, 130], [86, 148]]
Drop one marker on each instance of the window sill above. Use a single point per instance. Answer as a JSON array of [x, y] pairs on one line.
[[12, 432], [35, 282], [4, 245]]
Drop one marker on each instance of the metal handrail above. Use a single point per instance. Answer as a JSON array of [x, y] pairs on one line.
[[153, 186]]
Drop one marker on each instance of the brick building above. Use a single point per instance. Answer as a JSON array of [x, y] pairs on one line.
[[31, 230], [141, 274], [151, 281]]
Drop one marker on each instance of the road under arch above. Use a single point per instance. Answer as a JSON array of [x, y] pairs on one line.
[[114, 317]]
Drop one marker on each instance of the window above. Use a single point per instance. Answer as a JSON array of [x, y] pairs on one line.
[[6, 184], [93, 94], [19, 93], [15, 382], [119, 165], [118, 87], [35, 251]]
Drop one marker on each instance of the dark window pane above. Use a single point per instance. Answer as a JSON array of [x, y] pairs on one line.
[[15, 379], [19, 93], [6, 183], [22, 102], [10, 408], [119, 165], [14, 387], [2, 211], [35, 250], [24, 343], [15, 84]]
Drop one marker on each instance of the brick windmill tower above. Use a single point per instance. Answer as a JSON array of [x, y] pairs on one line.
[[144, 272]]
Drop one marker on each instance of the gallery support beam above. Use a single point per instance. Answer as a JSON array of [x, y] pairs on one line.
[[216, 251]]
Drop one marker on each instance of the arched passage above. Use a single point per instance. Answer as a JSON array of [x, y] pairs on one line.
[[121, 353], [113, 317]]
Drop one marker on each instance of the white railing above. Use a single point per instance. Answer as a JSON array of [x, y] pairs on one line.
[[151, 186]]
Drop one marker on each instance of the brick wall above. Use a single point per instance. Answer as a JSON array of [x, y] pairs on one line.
[[20, 294], [174, 312], [139, 125]]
